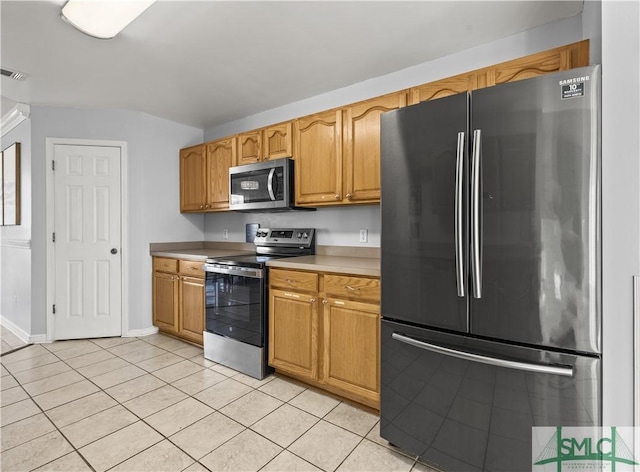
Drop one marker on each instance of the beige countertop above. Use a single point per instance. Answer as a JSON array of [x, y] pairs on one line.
[[196, 254], [199, 251], [334, 259], [367, 266]]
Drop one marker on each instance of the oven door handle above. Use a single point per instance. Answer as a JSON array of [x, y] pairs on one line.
[[239, 271]]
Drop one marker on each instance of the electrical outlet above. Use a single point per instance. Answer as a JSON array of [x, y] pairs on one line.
[[364, 235], [225, 233]]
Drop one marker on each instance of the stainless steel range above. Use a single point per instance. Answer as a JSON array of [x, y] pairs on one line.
[[236, 299]]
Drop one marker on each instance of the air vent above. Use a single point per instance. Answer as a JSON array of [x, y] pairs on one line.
[[14, 74]]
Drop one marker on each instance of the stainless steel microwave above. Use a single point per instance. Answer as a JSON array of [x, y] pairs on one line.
[[262, 187]]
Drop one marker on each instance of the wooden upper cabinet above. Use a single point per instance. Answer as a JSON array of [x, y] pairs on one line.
[[204, 175], [278, 141], [445, 87], [318, 155], [272, 142], [193, 178], [362, 147], [553, 60], [249, 147], [220, 156]]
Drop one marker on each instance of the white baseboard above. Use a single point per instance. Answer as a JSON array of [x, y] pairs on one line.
[[136, 333], [15, 329]]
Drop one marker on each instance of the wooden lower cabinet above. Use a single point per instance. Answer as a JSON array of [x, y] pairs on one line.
[[192, 311], [178, 298], [165, 301], [351, 359], [331, 342], [293, 333]]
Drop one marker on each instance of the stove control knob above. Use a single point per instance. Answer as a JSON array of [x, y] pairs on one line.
[[299, 235], [305, 235]]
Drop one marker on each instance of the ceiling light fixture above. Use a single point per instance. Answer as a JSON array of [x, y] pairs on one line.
[[103, 19]]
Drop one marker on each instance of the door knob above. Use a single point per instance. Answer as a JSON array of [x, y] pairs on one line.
[[114, 251]]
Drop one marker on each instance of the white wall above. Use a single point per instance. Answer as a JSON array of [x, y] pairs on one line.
[[15, 243], [335, 226], [620, 201], [152, 194], [549, 36]]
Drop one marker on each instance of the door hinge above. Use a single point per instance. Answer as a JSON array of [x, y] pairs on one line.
[[53, 165], [54, 308], [53, 237]]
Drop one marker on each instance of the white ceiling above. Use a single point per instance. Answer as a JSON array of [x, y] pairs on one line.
[[205, 63]]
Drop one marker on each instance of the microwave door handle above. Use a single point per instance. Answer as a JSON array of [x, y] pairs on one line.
[[270, 184]]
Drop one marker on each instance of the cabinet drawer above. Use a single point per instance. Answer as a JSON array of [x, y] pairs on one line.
[[165, 265], [293, 280], [352, 286], [192, 268]]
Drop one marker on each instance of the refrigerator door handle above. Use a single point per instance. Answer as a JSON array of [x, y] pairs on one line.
[[476, 214], [468, 356], [459, 214]]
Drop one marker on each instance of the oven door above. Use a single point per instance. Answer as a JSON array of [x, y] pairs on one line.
[[235, 304]]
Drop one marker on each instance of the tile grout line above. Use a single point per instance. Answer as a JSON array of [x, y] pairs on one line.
[[56, 428], [192, 395], [115, 431]]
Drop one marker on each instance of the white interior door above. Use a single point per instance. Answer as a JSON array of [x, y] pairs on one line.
[[87, 229]]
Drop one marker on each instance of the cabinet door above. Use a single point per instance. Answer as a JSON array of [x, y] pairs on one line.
[[249, 147], [220, 156], [362, 147], [193, 178], [553, 60], [165, 301], [318, 152], [352, 348], [277, 141], [293, 333], [445, 87], [192, 312]]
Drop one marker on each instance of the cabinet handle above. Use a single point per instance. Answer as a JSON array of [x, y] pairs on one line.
[[286, 294], [348, 196], [352, 289], [291, 281], [325, 301], [202, 207], [312, 300], [337, 197]]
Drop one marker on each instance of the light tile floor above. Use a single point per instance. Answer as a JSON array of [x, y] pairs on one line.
[[9, 341], [155, 404]]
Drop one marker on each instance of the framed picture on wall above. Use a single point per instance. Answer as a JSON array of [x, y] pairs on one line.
[[11, 185]]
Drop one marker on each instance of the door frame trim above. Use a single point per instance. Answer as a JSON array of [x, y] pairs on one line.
[[50, 144]]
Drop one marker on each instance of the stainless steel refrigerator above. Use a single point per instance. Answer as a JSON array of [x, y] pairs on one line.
[[491, 268]]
